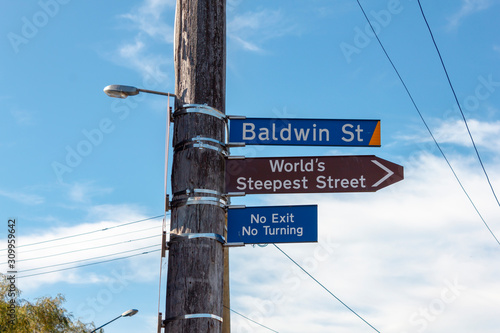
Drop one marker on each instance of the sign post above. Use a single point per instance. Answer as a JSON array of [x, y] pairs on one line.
[[304, 132], [321, 174], [275, 224]]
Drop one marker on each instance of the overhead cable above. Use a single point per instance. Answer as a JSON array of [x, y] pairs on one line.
[[322, 286], [427, 126], [91, 232], [253, 321], [458, 103], [52, 246], [76, 261], [84, 265], [85, 249]]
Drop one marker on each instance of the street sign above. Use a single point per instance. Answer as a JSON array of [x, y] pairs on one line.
[[276, 224], [308, 132], [322, 174]]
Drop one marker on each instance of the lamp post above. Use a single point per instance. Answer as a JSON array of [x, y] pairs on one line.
[[121, 91], [128, 313]]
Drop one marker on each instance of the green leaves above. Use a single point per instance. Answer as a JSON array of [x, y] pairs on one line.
[[46, 314]]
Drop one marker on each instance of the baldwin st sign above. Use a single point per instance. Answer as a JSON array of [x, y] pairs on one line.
[[276, 224], [322, 174], [308, 132]]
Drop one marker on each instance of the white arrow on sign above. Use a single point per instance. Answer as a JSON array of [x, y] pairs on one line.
[[389, 173]]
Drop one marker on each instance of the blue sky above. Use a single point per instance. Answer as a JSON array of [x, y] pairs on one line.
[[413, 257]]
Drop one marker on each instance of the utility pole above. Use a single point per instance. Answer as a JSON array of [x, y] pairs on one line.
[[196, 257]]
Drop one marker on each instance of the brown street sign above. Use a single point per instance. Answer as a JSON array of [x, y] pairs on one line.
[[320, 174]]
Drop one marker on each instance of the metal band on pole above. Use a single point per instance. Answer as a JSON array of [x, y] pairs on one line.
[[198, 191], [209, 235], [199, 108], [236, 117], [199, 197], [234, 244], [194, 316], [220, 202], [202, 143]]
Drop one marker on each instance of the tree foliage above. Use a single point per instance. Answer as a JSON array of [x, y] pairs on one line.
[[44, 315]]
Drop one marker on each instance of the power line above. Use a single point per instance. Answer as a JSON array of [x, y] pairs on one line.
[[322, 286], [425, 123], [81, 260], [121, 258], [91, 232], [88, 240], [85, 249], [458, 103], [253, 321], [93, 263], [126, 257]]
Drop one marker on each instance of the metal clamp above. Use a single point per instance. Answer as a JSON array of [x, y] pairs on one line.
[[199, 197], [194, 316], [161, 324], [185, 236], [234, 244], [236, 117], [200, 108], [236, 194], [198, 191], [202, 143], [164, 245], [167, 203], [236, 144], [236, 206], [220, 202]]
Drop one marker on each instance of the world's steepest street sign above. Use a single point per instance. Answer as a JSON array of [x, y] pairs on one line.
[[321, 174], [273, 224], [304, 132]]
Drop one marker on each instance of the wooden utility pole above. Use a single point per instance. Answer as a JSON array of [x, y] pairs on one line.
[[196, 258]]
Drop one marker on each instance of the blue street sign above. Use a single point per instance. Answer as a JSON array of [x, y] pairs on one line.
[[308, 132], [275, 224]]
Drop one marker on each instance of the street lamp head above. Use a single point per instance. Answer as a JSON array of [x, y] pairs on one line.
[[119, 91], [129, 313]]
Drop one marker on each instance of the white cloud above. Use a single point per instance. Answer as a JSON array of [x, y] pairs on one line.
[[415, 247], [23, 117], [249, 46], [232, 5], [150, 32], [26, 199], [119, 212], [137, 57], [57, 246], [148, 18], [468, 8], [252, 29], [486, 134], [83, 192]]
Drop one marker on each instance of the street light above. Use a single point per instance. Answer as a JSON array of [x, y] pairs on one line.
[[119, 91], [128, 313]]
